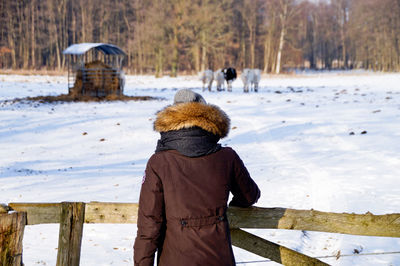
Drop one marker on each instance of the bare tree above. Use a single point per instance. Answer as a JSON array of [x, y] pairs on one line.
[[163, 36], [287, 10]]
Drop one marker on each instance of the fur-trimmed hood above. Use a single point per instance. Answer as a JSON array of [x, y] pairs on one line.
[[193, 114]]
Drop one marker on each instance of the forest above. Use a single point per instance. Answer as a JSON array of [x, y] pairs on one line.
[[167, 37]]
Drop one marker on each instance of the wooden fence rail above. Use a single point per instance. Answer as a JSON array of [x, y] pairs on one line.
[[72, 215]]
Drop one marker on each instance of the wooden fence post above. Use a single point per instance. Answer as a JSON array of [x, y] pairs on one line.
[[11, 234], [72, 215]]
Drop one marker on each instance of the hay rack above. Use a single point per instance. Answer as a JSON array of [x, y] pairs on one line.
[[95, 69]]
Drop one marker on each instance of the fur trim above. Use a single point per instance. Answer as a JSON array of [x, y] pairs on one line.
[[186, 115]]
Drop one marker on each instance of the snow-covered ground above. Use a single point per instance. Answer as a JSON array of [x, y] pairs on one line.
[[324, 141]]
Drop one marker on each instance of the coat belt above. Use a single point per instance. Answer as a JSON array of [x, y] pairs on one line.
[[198, 222]]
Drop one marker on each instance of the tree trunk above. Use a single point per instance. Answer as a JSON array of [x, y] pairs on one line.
[[175, 54], [62, 10], [280, 48], [83, 18], [243, 46], [196, 57], [128, 26], [203, 52], [252, 46], [33, 61], [159, 63], [268, 47], [54, 36], [267, 50], [283, 18], [343, 20], [11, 39]]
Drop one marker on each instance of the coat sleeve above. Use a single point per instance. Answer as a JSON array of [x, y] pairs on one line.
[[151, 219], [245, 191]]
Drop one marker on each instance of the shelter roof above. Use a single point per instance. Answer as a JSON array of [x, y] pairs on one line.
[[81, 48]]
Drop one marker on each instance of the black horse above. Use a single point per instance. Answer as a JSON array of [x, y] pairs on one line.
[[230, 76]]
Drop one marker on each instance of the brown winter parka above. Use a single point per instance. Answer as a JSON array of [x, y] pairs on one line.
[[184, 195]]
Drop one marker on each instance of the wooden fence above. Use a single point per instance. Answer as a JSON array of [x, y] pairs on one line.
[[72, 215]]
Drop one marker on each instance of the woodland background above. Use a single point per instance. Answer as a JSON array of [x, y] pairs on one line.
[[186, 36]]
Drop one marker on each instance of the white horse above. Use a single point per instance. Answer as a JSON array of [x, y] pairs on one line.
[[207, 77], [219, 79], [251, 78]]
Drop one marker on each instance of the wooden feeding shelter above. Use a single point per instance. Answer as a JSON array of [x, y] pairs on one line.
[[95, 69]]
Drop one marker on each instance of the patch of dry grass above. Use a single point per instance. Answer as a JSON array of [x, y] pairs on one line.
[[81, 98]]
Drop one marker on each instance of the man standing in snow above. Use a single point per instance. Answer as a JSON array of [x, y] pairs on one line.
[[185, 190]]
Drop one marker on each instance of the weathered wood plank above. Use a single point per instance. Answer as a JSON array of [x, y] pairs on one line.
[[254, 217], [270, 250], [110, 212], [11, 234], [39, 213], [310, 220], [70, 237]]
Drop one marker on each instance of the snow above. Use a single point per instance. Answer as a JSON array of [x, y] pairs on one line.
[[81, 48], [301, 138]]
